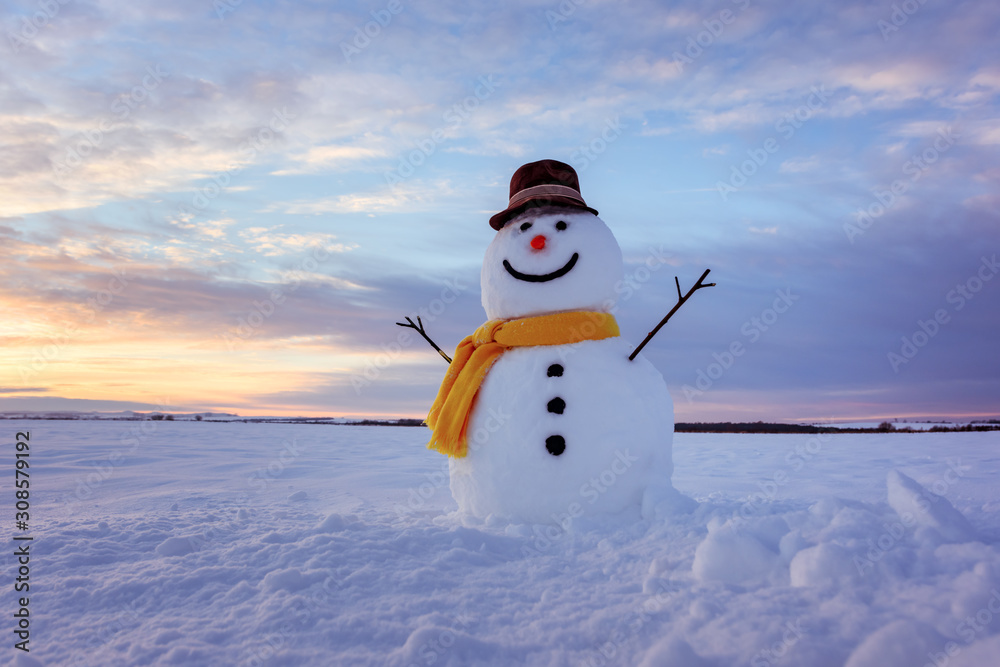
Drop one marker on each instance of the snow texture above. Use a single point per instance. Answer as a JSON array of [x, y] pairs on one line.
[[185, 543]]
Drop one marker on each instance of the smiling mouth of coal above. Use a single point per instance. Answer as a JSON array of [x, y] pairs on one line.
[[532, 278]]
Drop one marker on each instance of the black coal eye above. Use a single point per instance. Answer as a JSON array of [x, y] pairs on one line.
[[525, 226], [560, 225]]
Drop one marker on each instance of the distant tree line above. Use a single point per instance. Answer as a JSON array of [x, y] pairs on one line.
[[764, 427]]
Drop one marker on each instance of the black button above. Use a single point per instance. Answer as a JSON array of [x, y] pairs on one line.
[[555, 371], [556, 405], [555, 444]]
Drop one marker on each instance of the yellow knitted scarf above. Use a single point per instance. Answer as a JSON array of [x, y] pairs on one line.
[[449, 416]]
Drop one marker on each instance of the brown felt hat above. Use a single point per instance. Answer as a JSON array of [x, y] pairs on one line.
[[542, 183]]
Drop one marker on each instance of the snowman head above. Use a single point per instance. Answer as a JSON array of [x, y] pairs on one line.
[[551, 259]]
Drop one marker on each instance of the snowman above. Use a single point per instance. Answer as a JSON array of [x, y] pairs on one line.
[[546, 412]]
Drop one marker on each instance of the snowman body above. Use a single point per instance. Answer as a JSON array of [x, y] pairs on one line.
[[562, 431]]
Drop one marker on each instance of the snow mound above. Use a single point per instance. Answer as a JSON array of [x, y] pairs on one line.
[[902, 642], [981, 654], [450, 647], [674, 651], [823, 564], [178, 546], [25, 660], [732, 556], [334, 523], [292, 579], [916, 505]]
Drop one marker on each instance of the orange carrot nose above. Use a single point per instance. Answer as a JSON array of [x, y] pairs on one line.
[[538, 242]]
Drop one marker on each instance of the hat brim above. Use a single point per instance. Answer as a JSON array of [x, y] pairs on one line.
[[503, 217]]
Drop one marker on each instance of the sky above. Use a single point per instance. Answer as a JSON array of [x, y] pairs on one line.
[[227, 206]]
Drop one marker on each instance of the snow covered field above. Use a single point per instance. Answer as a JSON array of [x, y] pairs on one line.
[[183, 543]]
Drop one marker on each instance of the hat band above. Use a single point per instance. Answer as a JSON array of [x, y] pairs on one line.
[[541, 190]]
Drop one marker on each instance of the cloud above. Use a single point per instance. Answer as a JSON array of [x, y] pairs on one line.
[[64, 404], [405, 197], [331, 157], [715, 150], [214, 229], [800, 165], [270, 242]]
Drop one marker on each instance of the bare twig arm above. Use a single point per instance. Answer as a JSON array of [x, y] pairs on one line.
[[419, 328], [680, 302]]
